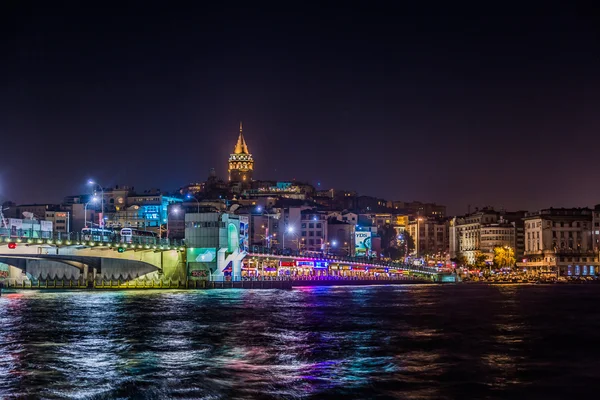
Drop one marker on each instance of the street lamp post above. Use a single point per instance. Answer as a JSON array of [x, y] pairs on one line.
[[289, 229], [176, 211], [189, 196], [333, 244], [95, 185], [268, 235], [93, 200]]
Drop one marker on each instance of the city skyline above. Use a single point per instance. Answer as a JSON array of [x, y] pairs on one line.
[[346, 98]]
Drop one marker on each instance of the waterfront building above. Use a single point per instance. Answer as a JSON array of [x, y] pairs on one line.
[[313, 233], [176, 213], [241, 163], [213, 239], [60, 220], [430, 236], [561, 241], [480, 232]]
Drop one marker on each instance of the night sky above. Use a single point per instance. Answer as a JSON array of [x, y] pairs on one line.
[[457, 109]]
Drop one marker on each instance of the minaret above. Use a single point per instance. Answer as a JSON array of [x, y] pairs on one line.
[[241, 163]]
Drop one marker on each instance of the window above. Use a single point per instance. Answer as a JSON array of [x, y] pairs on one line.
[[319, 233], [311, 241], [319, 226], [311, 225], [311, 233], [303, 233], [303, 225]]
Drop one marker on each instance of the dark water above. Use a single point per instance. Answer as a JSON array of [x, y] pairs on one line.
[[421, 342]]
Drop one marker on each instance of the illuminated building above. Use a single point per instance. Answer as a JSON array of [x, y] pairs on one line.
[[313, 232], [480, 231], [430, 236], [561, 240], [241, 164], [287, 190]]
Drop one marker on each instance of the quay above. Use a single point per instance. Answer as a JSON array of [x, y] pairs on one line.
[[151, 284]]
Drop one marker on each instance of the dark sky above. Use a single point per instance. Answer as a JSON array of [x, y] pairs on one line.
[[453, 108]]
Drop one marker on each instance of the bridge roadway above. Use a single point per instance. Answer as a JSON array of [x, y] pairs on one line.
[[34, 260], [92, 262]]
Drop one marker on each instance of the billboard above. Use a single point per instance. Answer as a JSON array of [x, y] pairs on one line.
[[15, 225], [46, 226], [362, 243], [244, 228]]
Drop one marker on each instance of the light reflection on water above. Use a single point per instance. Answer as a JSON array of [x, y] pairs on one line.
[[437, 342]]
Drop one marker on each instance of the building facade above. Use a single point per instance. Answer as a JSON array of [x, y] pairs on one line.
[[430, 236], [561, 241], [480, 232], [313, 233]]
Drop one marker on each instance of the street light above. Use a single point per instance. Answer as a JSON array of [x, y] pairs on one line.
[[267, 234], [93, 200], [289, 229], [174, 211], [189, 196], [95, 185]]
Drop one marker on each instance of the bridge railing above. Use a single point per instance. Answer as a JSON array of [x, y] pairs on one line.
[[265, 251], [61, 238]]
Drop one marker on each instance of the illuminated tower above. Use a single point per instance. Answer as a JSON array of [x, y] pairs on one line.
[[241, 163]]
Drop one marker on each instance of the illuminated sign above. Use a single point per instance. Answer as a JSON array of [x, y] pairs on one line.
[[287, 263], [321, 264], [305, 264], [244, 228], [61, 215], [362, 242]]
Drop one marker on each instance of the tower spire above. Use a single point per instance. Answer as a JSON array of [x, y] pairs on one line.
[[241, 147]]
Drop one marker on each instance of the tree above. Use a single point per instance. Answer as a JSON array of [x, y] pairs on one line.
[[504, 257], [388, 236], [409, 242], [480, 260], [393, 253], [460, 260]]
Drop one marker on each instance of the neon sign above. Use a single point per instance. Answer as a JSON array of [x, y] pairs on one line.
[[310, 264]]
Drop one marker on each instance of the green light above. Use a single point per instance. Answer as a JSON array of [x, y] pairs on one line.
[[121, 250]]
